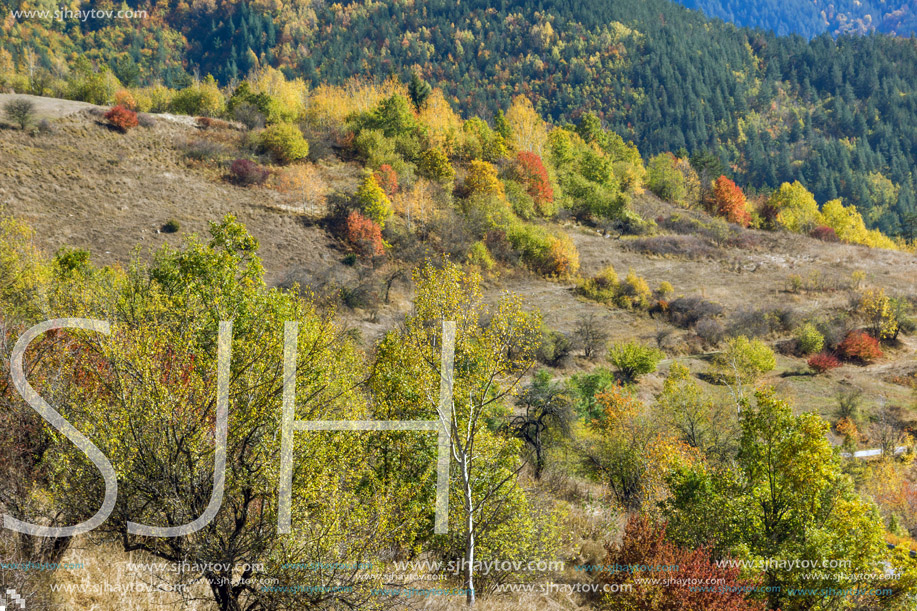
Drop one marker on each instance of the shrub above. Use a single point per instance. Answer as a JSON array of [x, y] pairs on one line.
[[387, 178], [746, 359], [687, 311], [824, 233], [822, 362], [665, 180], [20, 111], [634, 359], [530, 171], [547, 254], [171, 226], [634, 292], [602, 287], [554, 349], [710, 330], [122, 118], [245, 172], [729, 202], [434, 164], [589, 335], [860, 346], [285, 142], [124, 98], [482, 179], [809, 340], [202, 149], [480, 256], [364, 235], [373, 201], [248, 115]]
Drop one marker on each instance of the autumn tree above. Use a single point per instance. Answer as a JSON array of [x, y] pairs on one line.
[[546, 411], [794, 208], [729, 202], [530, 171], [373, 201], [527, 129], [191, 379], [493, 348], [786, 497]]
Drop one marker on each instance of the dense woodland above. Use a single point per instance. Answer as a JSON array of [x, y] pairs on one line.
[[835, 114]]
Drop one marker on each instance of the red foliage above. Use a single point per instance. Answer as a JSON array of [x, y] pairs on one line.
[[364, 235], [860, 346], [729, 202], [532, 174], [646, 545], [822, 362], [824, 233], [247, 172], [387, 178], [122, 118]]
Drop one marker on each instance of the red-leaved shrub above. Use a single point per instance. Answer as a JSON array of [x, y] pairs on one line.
[[645, 545], [824, 233], [246, 172], [860, 346], [122, 118], [822, 362], [729, 202], [364, 235], [387, 178], [531, 172]]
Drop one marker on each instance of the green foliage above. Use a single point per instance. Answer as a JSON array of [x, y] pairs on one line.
[[605, 287], [201, 99], [808, 339], [745, 360], [634, 359], [585, 387], [434, 164], [19, 111], [787, 497], [795, 208], [373, 201], [664, 179], [284, 141]]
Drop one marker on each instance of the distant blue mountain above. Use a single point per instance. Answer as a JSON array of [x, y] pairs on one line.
[[810, 18]]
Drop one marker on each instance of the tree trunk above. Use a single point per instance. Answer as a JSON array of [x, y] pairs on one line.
[[221, 586], [469, 536]]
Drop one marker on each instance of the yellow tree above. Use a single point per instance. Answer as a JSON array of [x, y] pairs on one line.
[[527, 129], [490, 516]]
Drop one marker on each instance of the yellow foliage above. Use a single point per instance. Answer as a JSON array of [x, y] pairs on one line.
[[290, 95], [528, 131], [443, 124], [331, 104], [849, 226]]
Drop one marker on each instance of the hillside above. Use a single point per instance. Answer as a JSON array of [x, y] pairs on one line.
[[837, 115], [628, 361]]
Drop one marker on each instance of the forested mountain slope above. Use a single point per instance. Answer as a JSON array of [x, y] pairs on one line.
[[838, 115]]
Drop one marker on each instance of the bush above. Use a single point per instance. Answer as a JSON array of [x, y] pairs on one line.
[[171, 226], [248, 115], [633, 359], [860, 346], [547, 254], [664, 179], [373, 201], [387, 178], [285, 142], [202, 149], [554, 349], [824, 233], [746, 359], [710, 330], [124, 98], [245, 172], [434, 164], [729, 202], [688, 311], [480, 256], [822, 362], [20, 111], [809, 340], [530, 171], [364, 235], [122, 118], [602, 287]]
